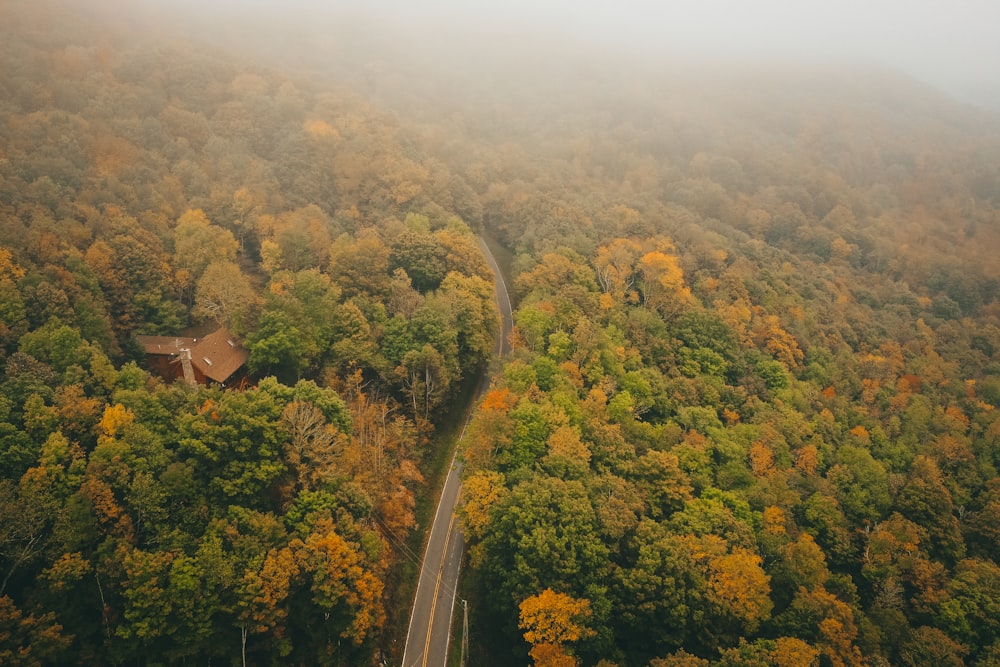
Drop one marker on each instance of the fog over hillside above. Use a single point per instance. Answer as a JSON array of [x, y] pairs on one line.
[[748, 407], [948, 45]]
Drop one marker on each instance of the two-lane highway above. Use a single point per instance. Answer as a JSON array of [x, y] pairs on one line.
[[434, 604]]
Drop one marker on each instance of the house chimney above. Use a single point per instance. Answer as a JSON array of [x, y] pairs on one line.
[[187, 368]]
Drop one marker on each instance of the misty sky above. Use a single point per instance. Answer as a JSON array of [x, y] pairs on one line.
[[953, 39], [952, 44]]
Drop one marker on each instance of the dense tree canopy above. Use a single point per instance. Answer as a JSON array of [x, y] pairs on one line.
[[750, 415], [171, 189]]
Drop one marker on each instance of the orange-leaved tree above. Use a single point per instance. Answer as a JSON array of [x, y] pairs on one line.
[[550, 620]]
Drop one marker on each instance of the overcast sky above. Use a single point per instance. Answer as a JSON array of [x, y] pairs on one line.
[[952, 44], [938, 39]]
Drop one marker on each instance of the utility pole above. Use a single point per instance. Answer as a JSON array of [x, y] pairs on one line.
[[465, 631]]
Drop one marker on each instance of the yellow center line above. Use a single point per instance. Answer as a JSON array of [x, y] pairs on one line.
[[437, 587]]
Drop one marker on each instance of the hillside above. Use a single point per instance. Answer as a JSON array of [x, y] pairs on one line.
[[150, 186], [750, 412]]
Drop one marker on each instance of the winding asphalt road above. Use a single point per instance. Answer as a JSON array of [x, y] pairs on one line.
[[434, 604]]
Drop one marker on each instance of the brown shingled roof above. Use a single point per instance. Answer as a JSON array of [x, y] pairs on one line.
[[218, 355], [165, 344]]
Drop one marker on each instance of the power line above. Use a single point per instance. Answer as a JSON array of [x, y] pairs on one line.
[[399, 542], [409, 553]]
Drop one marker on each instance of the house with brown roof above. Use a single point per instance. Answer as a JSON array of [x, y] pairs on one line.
[[217, 358]]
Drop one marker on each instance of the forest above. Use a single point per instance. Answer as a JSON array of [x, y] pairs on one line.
[[749, 416]]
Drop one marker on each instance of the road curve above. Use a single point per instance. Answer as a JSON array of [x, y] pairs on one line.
[[434, 603]]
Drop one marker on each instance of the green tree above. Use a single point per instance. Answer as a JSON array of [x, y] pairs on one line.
[[300, 319], [971, 614], [660, 596], [529, 432], [136, 278], [360, 265], [224, 294], [18, 451], [544, 534], [423, 259], [925, 500], [663, 484], [198, 243], [470, 302], [278, 346], [862, 484], [233, 442]]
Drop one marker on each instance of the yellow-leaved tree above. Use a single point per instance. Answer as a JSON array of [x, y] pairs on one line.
[[663, 287], [551, 620]]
